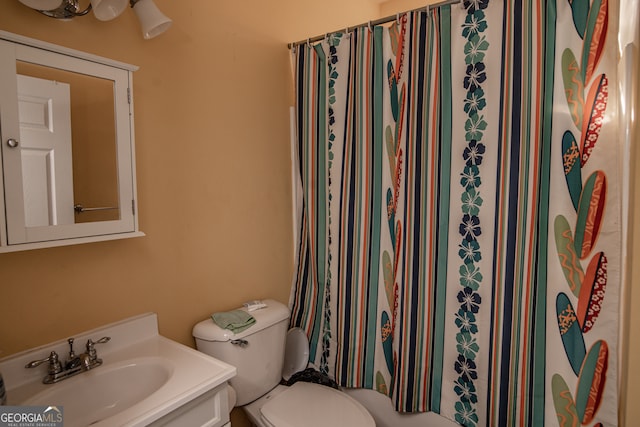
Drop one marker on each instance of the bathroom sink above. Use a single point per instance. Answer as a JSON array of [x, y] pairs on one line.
[[145, 380], [105, 391]]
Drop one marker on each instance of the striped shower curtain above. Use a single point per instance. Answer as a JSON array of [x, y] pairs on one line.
[[460, 227]]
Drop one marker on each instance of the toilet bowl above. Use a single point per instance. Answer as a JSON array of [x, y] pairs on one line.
[[263, 354]]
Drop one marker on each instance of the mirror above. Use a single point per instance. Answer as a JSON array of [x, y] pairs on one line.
[[87, 148], [68, 169]]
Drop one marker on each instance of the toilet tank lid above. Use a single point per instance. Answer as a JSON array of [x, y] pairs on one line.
[[273, 313]]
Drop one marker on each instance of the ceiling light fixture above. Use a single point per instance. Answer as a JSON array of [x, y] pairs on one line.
[[152, 21]]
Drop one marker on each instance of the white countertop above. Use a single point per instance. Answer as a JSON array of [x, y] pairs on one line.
[[137, 338]]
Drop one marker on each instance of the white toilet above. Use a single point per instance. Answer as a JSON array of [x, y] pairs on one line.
[[258, 353]]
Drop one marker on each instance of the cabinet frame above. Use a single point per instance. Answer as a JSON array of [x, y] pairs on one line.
[[14, 234]]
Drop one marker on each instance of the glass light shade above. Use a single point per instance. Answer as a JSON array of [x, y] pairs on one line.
[[105, 10], [42, 4], [153, 21]]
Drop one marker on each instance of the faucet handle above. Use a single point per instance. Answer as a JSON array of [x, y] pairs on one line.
[[91, 343], [55, 367], [91, 349]]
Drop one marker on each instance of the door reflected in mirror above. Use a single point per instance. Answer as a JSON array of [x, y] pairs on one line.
[[68, 146]]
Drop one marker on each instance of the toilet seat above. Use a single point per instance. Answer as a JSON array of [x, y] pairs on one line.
[[305, 404], [313, 405]]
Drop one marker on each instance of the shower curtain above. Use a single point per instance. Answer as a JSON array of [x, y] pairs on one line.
[[460, 226]]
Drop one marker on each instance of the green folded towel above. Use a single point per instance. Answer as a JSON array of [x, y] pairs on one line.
[[235, 320]]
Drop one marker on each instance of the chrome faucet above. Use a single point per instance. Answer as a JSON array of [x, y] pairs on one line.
[[74, 365]]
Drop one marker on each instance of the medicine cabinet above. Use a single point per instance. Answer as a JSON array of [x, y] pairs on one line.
[[68, 159]]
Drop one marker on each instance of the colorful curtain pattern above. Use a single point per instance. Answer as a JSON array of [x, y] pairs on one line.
[[460, 246]]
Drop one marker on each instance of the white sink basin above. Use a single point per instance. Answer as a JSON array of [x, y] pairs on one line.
[[145, 379], [92, 396]]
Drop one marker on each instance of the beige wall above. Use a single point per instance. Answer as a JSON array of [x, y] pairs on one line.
[[212, 140], [630, 368], [213, 156]]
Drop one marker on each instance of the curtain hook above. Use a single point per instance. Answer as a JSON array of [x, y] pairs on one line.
[[309, 43], [398, 18], [369, 25]]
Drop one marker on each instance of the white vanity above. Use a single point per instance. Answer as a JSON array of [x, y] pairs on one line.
[[144, 380]]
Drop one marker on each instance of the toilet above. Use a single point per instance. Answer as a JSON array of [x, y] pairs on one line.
[[265, 353]]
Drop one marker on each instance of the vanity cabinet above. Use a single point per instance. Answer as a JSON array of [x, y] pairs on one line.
[[209, 410], [67, 146]]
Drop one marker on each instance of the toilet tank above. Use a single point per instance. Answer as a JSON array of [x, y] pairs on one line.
[[257, 352]]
